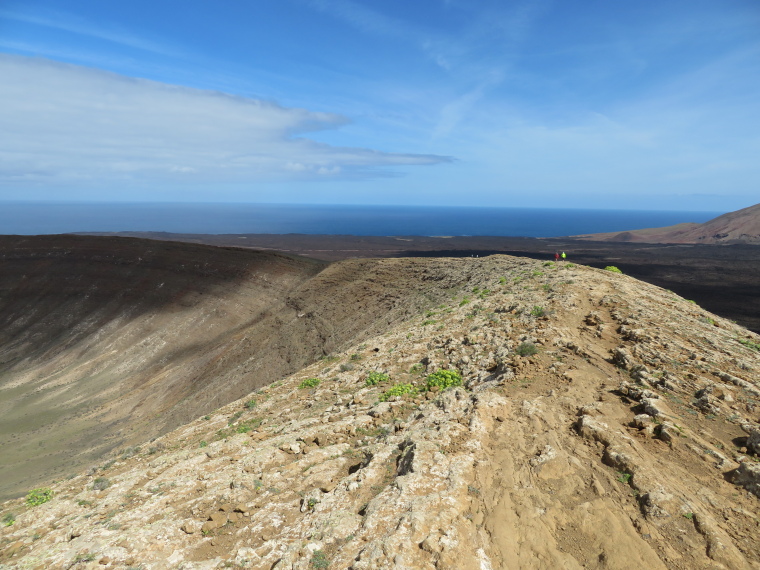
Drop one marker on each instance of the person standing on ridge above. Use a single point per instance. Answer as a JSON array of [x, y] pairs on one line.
[[556, 256], [564, 257]]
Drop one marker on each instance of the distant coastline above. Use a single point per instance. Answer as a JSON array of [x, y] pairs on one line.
[[27, 218]]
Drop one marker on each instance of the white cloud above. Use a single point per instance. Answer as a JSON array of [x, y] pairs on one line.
[[65, 124]]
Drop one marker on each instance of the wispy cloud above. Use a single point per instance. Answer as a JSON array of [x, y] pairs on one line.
[[65, 124], [76, 25]]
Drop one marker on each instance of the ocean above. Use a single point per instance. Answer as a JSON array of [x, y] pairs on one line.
[[54, 218]]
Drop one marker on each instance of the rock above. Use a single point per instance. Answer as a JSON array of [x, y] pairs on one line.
[[747, 475], [190, 526], [381, 409], [642, 421], [753, 441], [622, 358]]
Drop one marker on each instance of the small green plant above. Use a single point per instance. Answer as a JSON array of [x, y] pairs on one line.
[[206, 418], [526, 349], [84, 557], [38, 496], [428, 322], [612, 269], [9, 519], [398, 390], [417, 368], [310, 383], [624, 477], [204, 443], [319, 560], [311, 504], [356, 356], [100, 484], [689, 516], [84, 503], [538, 273], [569, 265], [548, 264], [464, 301], [375, 378], [347, 367], [250, 404], [502, 280], [235, 417], [248, 425], [750, 344], [537, 311], [443, 379]]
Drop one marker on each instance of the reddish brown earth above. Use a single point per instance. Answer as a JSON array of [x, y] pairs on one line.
[[740, 227]]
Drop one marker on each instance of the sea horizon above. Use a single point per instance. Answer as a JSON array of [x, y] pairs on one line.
[[45, 218]]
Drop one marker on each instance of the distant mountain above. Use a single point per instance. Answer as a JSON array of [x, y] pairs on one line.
[[742, 226]]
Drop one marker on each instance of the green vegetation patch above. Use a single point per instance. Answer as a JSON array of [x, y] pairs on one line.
[[100, 484], [538, 311], [375, 378], [612, 269], [443, 379], [526, 349], [9, 519], [750, 344], [38, 496], [310, 383], [399, 390]]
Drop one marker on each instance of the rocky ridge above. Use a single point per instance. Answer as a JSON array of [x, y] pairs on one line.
[[629, 438]]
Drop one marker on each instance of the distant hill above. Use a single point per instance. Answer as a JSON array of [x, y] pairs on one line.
[[740, 227]]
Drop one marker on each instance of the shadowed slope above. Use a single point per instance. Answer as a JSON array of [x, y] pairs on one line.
[[111, 341]]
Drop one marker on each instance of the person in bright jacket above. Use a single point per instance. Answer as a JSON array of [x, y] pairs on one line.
[[564, 256]]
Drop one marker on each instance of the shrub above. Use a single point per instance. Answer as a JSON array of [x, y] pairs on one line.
[[548, 264], [526, 349], [537, 311], [428, 322], [38, 496], [612, 268], [100, 484], [319, 560], [250, 404], [310, 383], [9, 519], [203, 443], [347, 367], [464, 301], [569, 265], [398, 390], [417, 368], [443, 379], [375, 378], [356, 356]]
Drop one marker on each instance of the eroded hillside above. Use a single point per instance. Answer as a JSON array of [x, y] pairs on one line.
[[106, 342], [601, 423]]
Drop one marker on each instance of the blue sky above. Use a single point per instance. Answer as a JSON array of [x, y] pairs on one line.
[[645, 105]]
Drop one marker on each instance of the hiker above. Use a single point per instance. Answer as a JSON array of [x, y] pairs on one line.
[[556, 256], [564, 257]]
